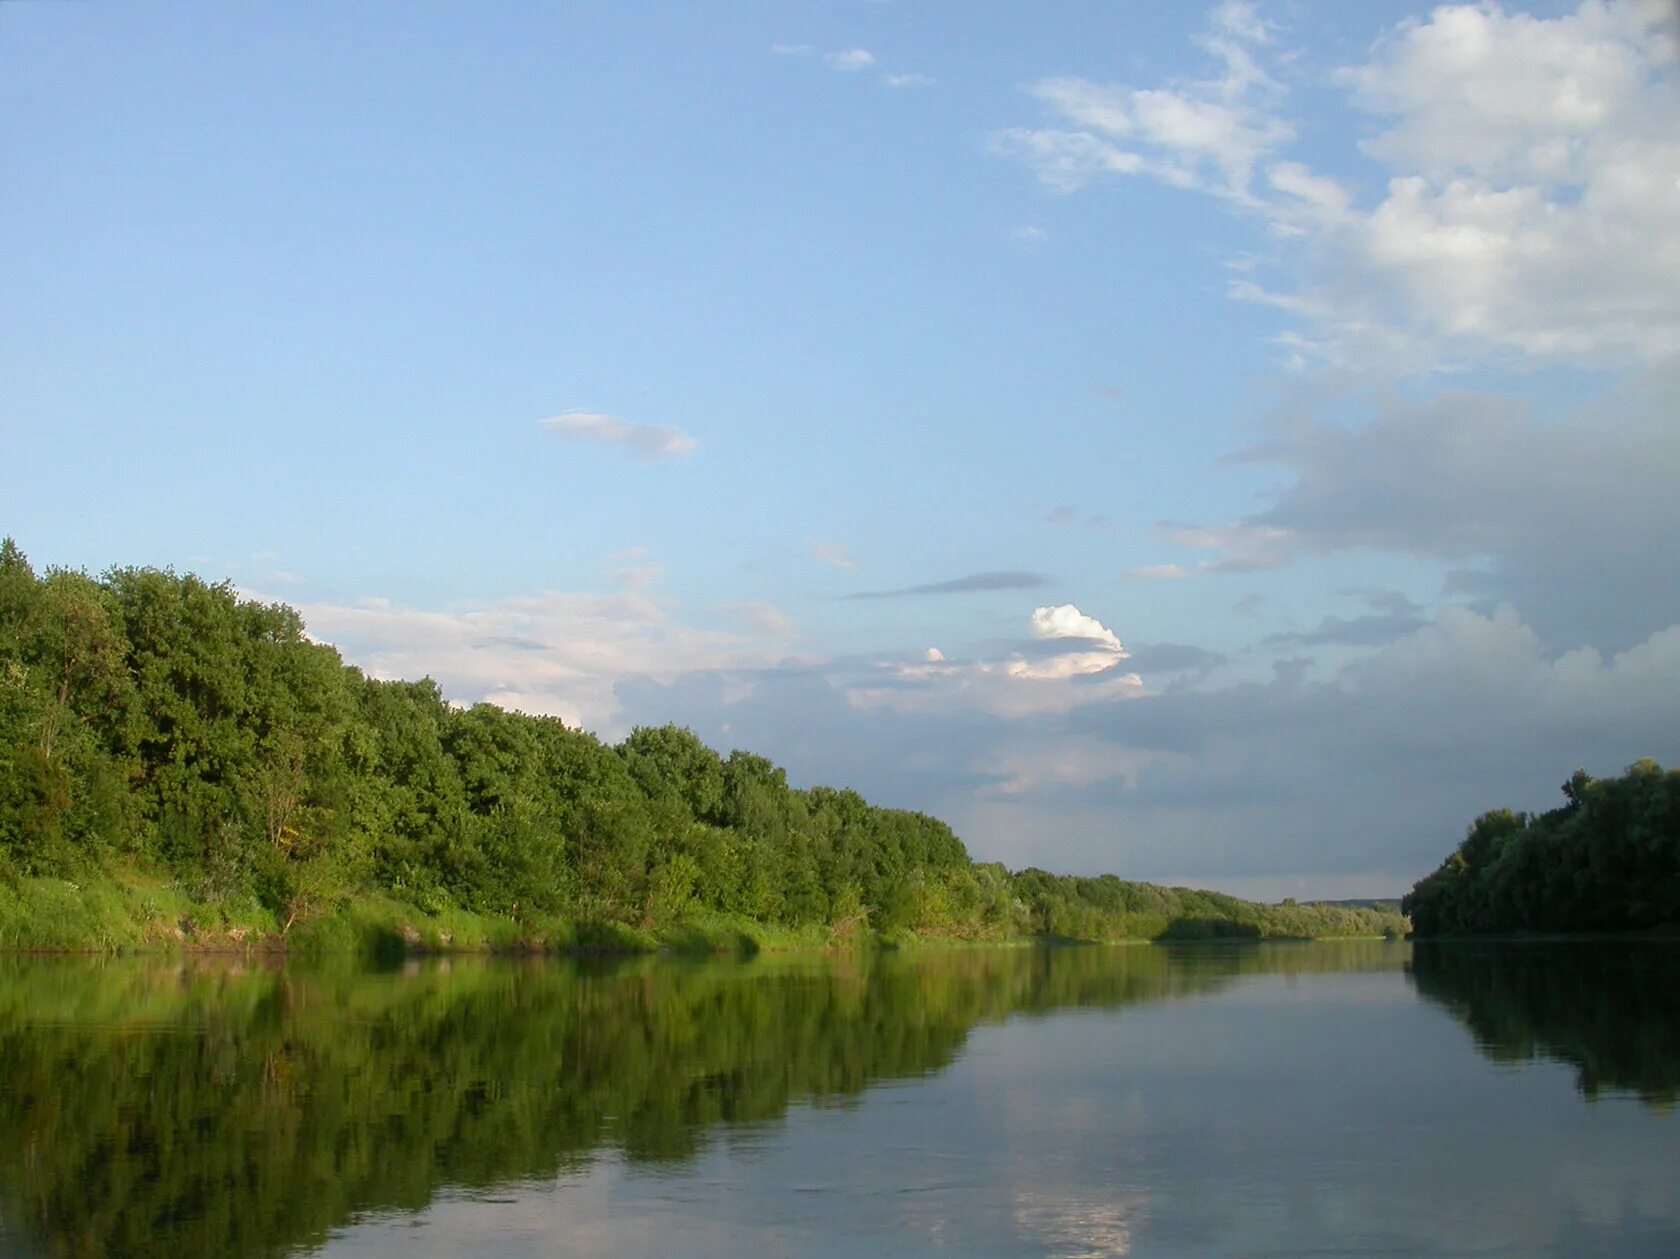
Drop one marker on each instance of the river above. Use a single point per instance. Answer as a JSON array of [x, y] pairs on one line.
[[1346, 1099]]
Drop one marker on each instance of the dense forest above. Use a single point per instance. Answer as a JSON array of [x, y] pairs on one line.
[[1608, 860], [178, 762]]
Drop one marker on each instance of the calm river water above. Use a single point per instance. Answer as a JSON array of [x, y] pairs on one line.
[[1352, 1099]]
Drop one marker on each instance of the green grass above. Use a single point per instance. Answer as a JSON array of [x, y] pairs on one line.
[[126, 911]]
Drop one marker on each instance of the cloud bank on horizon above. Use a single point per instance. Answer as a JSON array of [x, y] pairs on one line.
[[1297, 486]]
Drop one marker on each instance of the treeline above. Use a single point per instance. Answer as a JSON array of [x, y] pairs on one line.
[[160, 726], [1608, 860], [1068, 907]]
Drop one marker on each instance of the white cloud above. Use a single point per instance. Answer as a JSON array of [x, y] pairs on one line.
[[912, 79], [647, 441], [833, 554], [1158, 572], [1023, 684], [1067, 621], [1531, 180], [1029, 234], [1534, 180], [1065, 161], [791, 50], [1100, 648], [851, 60]]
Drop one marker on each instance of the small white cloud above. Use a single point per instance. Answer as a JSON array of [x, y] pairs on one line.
[[1158, 572], [851, 60], [908, 80], [1029, 234], [791, 50], [1021, 686], [1067, 621], [647, 441], [834, 554]]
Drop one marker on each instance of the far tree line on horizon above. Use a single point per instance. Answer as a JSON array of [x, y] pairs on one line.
[[161, 727]]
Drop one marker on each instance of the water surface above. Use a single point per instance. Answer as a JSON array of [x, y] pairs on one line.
[[1333, 1099]]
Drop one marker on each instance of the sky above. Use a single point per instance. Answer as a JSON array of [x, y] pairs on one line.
[[1231, 446]]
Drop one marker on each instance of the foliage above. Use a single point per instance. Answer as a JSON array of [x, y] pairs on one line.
[[1607, 860], [157, 728]]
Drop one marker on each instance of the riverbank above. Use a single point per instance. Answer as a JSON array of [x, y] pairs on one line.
[[133, 913], [130, 912]]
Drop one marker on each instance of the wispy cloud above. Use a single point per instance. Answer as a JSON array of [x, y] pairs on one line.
[[851, 60], [974, 583], [1067, 514], [1207, 134], [833, 554], [646, 441], [856, 61]]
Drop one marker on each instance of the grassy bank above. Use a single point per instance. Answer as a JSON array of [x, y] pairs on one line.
[[127, 911]]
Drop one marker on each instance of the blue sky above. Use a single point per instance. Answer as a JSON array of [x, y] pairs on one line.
[[1227, 444]]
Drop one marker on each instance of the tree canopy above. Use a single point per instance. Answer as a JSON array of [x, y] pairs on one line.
[[1607, 860]]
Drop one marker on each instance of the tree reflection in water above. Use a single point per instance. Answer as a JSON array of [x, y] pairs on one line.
[[1610, 1010], [216, 1107]]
